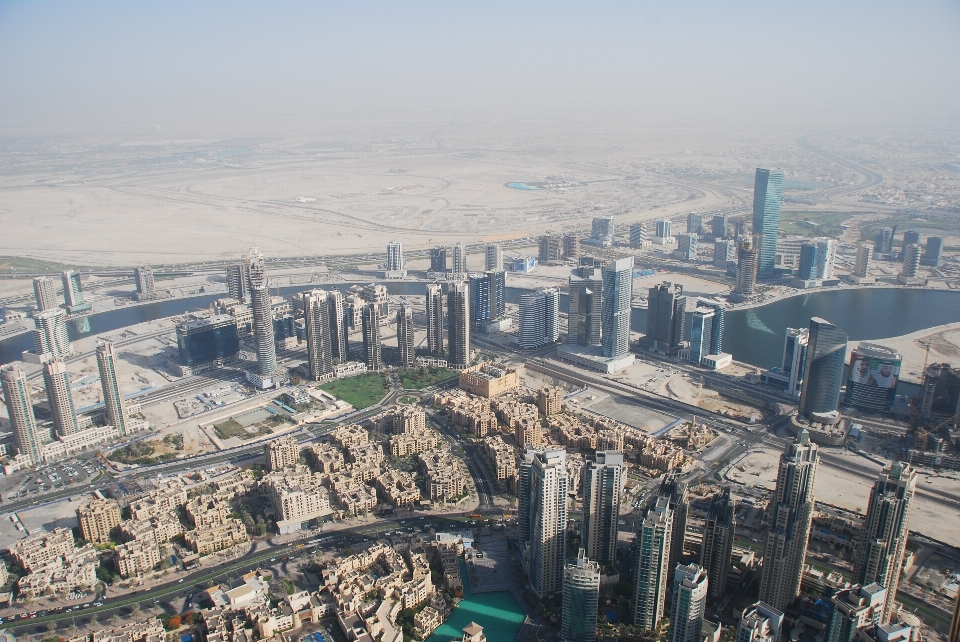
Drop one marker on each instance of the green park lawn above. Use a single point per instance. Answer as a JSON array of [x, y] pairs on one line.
[[360, 392]]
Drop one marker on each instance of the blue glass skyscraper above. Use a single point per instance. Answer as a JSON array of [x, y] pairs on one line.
[[617, 295], [823, 370], [767, 193], [809, 258], [716, 333]]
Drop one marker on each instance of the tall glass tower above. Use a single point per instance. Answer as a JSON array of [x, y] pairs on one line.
[[603, 482], [117, 414], [823, 370], [316, 319], [767, 193], [617, 295], [581, 597], [16, 392], [262, 313]]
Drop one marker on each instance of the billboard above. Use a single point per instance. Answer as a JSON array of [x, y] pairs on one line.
[[872, 380]]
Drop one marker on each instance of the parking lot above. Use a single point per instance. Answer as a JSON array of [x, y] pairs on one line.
[[50, 477]]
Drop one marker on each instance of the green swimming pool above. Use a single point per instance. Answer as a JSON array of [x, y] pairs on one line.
[[498, 613]]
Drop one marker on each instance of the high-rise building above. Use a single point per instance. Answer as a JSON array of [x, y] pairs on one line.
[[790, 516], [674, 489], [854, 608], [438, 259], [539, 318], [23, 423], [933, 251], [73, 292], [883, 242], [767, 193], [760, 622], [651, 575], [316, 321], [664, 229], [795, 358], [143, 278], [45, 293], [724, 253], [666, 316], [50, 336], [602, 231], [603, 480], [861, 264], [910, 237], [116, 407], [880, 547], [524, 493], [911, 261], [262, 314], [371, 337], [458, 325], [238, 281], [434, 319], [56, 377], [808, 262], [694, 223], [585, 313], [493, 254], [617, 299], [405, 341], [571, 247], [581, 598], [460, 261], [872, 378], [208, 340], [718, 226], [686, 247], [748, 261], [701, 333], [690, 586], [548, 520], [551, 248], [823, 370], [826, 257], [716, 330], [339, 345], [396, 267], [955, 625], [486, 298], [716, 549], [638, 236]]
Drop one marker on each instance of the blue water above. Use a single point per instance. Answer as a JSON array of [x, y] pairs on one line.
[[520, 186], [498, 613]]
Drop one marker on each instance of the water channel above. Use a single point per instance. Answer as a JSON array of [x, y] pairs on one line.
[[498, 613]]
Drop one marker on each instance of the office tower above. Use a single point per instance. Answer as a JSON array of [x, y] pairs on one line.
[[638, 236], [724, 253], [790, 515], [117, 415], [493, 254], [438, 259], [748, 261], [861, 264], [581, 598], [767, 192], [686, 247], [603, 480], [694, 223], [548, 520], [617, 297], [405, 336], [539, 318], [716, 550], [883, 241], [933, 251], [651, 575], [262, 313], [666, 316], [460, 260], [879, 550], [56, 377], [371, 337], [208, 340], [395, 256], [910, 237], [316, 321], [716, 330], [872, 378], [760, 622], [551, 248], [434, 319], [23, 423], [911, 261], [498, 298], [718, 225], [339, 346], [823, 370], [586, 265], [826, 256], [675, 490], [808, 262], [458, 325], [73, 292], [602, 231], [690, 586], [663, 229], [143, 277], [524, 478], [795, 358], [585, 312], [486, 298], [50, 336], [45, 292], [701, 333], [238, 281], [854, 608], [571, 247]]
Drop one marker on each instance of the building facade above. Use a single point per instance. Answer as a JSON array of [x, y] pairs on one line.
[[581, 597], [823, 370], [458, 324], [603, 480], [371, 338], [690, 586], [767, 194], [617, 299], [16, 393], [113, 400], [434, 305]]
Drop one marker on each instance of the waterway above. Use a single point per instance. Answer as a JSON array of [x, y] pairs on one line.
[[498, 613]]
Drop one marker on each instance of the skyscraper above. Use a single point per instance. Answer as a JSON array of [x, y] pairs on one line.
[[883, 242], [760, 622], [434, 319], [459, 261], [716, 331], [50, 336], [910, 237], [262, 314], [539, 318], [73, 292], [116, 407], [548, 520], [861, 264], [716, 550], [45, 293], [339, 346], [571, 247], [651, 576], [933, 251], [371, 337], [16, 392], [674, 489], [458, 324], [694, 223], [879, 550], [701, 333], [143, 277], [748, 261], [724, 253], [718, 225], [396, 267], [686, 247], [638, 236], [666, 316], [524, 493], [823, 371], [486, 298], [826, 257], [551, 248], [585, 313], [664, 229], [911, 261], [405, 336], [238, 281], [581, 597], [790, 516], [316, 320], [767, 193], [854, 608], [493, 254], [603, 480], [438, 259], [795, 345], [56, 377], [204, 341], [617, 298], [602, 231], [690, 585], [808, 262]]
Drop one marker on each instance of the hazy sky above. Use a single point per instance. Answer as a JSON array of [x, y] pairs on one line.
[[255, 68]]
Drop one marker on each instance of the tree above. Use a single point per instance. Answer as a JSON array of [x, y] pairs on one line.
[[135, 610], [115, 620], [173, 623]]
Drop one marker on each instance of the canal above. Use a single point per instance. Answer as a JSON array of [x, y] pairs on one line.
[[498, 613]]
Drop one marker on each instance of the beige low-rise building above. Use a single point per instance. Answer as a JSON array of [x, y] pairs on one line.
[[350, 435], [324, 458], [206, 511], [37, 551], [445, 479], [550, 400], [98, 519], [502, 460], [211, 539], [137, 557], [297, 496], [400, 419], [426, 621], [73, 570], [398, 488], [149, 630], [162, 527], [661, 455], [281, 453], [170, 494], [412, 443], [368, 454], [356, 498], [489, 381]]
